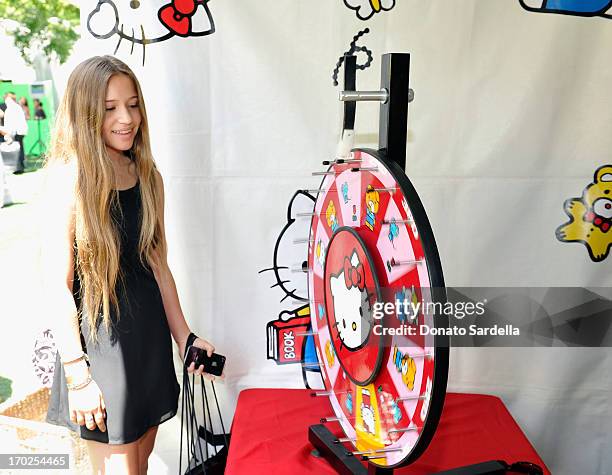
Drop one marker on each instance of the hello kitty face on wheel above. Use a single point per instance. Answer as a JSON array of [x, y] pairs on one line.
[[352, 308], [144, 22]]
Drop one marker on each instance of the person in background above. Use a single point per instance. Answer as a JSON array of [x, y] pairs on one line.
[[16, 126], [23, 102], [39, 112], [2, 110]]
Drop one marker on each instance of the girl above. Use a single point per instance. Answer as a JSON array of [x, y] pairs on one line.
[[111, 295]]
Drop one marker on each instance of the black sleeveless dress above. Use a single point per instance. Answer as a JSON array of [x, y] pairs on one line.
[[132, 362]]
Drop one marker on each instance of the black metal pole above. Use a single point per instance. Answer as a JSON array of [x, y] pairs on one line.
[[350, 84], [393, 125]]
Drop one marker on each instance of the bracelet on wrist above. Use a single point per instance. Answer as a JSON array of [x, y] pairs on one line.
[[80, 358], [190, 339], [77, 386], [73, 378]]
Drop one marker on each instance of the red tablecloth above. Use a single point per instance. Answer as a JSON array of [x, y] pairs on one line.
[[270, 434]]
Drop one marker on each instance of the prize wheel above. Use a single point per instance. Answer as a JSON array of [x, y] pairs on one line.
[[370, 245]]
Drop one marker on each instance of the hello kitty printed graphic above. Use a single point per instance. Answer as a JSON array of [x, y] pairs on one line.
[[351, 287], [352, 307], [141, 23], [367, 413], [287, 336]]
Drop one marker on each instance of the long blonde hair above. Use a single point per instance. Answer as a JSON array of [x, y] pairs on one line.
[[77, 140]]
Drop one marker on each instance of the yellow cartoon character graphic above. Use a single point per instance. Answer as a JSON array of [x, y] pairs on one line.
[[591, 216], [372, 199], [408, 372], [406, 366], [330, 354], [330, 215]]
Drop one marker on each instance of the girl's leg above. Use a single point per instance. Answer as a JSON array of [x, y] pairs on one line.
[[145, 447], [110, 459]]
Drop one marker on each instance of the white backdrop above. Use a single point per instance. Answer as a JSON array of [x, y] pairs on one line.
[[512, 116]]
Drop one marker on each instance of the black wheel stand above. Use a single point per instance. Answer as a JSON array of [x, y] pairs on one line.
[[343, 461]]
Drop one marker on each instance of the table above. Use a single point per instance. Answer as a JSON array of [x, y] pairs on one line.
[[270, 434]]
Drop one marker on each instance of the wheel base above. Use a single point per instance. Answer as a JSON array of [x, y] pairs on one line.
[[343, 461]]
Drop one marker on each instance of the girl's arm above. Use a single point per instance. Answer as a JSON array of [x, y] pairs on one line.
[[85, 400], [57, 259], [176, 320]]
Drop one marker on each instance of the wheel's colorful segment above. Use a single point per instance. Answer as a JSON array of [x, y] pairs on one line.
[[365, 248]]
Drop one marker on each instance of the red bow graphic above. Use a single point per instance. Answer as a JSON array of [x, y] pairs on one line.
[[353, 276], [176, 16], [602, 223]]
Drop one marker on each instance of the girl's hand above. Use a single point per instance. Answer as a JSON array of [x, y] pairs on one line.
[[206, 346], [87, 407]]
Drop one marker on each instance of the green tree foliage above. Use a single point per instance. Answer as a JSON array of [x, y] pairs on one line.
[[5, 389], [41, 26]]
